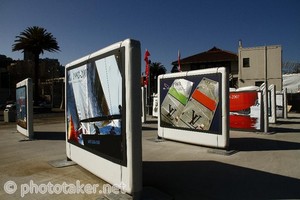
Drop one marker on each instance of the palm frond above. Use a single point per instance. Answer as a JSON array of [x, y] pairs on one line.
[[36, 40]]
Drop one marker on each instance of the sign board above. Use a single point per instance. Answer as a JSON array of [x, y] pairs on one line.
[[24, 107], [155, 106], [272, 104], [193, 107], [246, 110], [279, 105], [103, 133]]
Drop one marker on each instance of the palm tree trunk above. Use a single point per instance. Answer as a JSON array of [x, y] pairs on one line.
[[36, 97]]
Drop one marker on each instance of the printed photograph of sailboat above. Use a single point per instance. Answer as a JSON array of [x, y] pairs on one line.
[[95, 106]]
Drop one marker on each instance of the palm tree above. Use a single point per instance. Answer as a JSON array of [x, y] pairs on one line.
[[174, 69], [35, 40], [156, 69]]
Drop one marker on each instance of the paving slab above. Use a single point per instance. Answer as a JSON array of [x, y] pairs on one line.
[[263, 166]]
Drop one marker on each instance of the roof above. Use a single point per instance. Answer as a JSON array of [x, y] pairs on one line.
[[213, 55]]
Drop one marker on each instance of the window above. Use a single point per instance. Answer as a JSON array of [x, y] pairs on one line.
[[246, 62], [258, 83]]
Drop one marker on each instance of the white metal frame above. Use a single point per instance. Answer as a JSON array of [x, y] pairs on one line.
[[128, 177], [29, 115], [220, 140]]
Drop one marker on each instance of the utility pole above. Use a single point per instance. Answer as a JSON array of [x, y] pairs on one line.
[[266, 116]]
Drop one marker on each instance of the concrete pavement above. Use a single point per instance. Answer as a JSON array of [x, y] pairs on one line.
[[264, 166]]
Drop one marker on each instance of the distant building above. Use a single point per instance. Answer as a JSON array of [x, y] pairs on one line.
[[4, 78], [49, 69], [255, 61], [51, 78], [214, 57]]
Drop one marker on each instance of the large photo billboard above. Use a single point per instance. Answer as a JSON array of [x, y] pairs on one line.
[[94, 112], [193, 107], [103, 123]]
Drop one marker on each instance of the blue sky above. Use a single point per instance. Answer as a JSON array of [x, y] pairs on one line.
[[162, 27]]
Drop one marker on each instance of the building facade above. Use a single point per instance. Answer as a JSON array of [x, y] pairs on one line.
[[4, 79], [257, 64], [214, 57]]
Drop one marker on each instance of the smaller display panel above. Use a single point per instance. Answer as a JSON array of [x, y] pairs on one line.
[[245, 110], [21, 106], [24, 107], [279, 105], [194, 107], [191, 103]]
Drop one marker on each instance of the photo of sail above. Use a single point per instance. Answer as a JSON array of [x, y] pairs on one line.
[[86, 92], [110, 77], [94, 95]]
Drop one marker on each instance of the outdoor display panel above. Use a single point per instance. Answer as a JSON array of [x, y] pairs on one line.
[[246, 110], [24, 107], [279, 105], [155, 106], [143, 104], [101, 93], [193, 107], [272, 104]]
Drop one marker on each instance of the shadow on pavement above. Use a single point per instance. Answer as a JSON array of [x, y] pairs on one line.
[[41, 135], [284, 130], [215, 180], [286, 122], [258, 144], [149, 128], [154, 121]]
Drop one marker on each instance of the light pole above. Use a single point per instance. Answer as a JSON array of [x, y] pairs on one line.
[[266, 116]]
